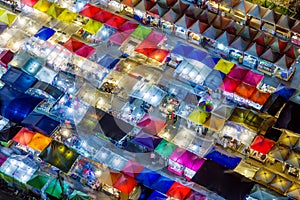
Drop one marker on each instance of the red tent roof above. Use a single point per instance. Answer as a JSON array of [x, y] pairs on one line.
[[89, 10], [119, 37], [263, 39], [30, 3], [229, 84], [292, 52], [151, 124], [132, 168], [278, 45], [5, 57], [221, 22], [199, 27], [79, 48], [255, 49], [178, 191], [115, 21], [259, 97], [128, 27], [160, 55], [262, 144], [207, 17], [244, 90], [125, 184], [103, 16], [146, 48], [155, 37], [252, 78], [238, 73], [24, 136]]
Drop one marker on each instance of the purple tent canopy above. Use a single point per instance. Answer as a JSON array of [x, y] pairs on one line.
[[3, 27], [197, 54], [147, 140], [155, 37], [210, 61], [182, 49], [119, 37], [3, 158], [187, 159], [128, 27]]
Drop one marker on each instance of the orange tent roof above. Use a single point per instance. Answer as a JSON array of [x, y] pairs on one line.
[[125, 184], [178, 191], [24, 136], [39, 142], [259, 97], [244, 90]]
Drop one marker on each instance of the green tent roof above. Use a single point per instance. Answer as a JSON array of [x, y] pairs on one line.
[[165, 148], [54, 188], [141, 32], [77, 195], [38, 181]]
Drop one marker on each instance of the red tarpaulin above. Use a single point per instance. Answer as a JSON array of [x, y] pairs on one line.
[[5, 57], [262, 144], [132, 169], [178, 191], [160, 55], [79, 48], [115, 22], [238, 73], [103, 16], [259, 97], [244, 90], [30, 3], [253, 78], [128, 27], [229, 84], [119, 37], [89, 10], [156, 37], [125, 184], [151, 124], [146, 48], [24, 136]]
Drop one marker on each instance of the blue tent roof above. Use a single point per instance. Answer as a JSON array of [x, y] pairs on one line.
[[147, 177], [157, 195], [182, 49], [108, 61], [7, 94], [223, 159], [44, 33], [162, 184], [284, 91], [214, 79], [40, 123], [18, 79], [210, 61], [197, 54]]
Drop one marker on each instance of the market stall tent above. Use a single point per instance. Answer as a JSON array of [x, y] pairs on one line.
[[132, 169], [229, 84], [24, 136], [294, 191], [244, 90], [89, 10], [67, 16], [44, 33], [288, 117], [29, 3], [39, 142], [280, 183], [151, 124], [147, 140], [38, 181], [115, 22], [162, 184], [214, 123], [119, 37], [224, 66], [155, 37], [178, 191], [181, 49], [199, 27], [279, 153], [141, 32], [125, 184], [238, 73], [78, 195], [160, 55], [171, 16], [54, 188], [128, 27], [9, 131], [79, 48], [198, 116], [42, 5], [103, 16], [185, 21], [55, 10], [165, 148], [147, 177], [92, 26], [262, 144]]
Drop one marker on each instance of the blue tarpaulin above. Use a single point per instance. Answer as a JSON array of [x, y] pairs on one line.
[[223, 159], [284, 91], [147, 177], [162, 184], [7, 94], [182, 49], [197, 54], [18, 79], [210, 61], [157, 195], [214, 79], [108, 61], [44, 33]]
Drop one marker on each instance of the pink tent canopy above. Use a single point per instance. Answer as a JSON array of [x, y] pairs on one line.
[[132, 168], [89, 10], [229, 84], [119, 37], [151, 124], [30, 3], [238, 73], [156, 37], [115, 22], [253, 78], [160, 55], [146, 48], [128, 27], [176, 157]]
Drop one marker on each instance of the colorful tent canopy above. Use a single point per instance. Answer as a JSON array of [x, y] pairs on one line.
[[264, 176], [29, 3], [89, 10], [130, 3], [44, 33], [270, 56], [212, 33], [119, 37], [67, 16], [157, 195], [9, 131], [109, 177], [160, 55], [42, 5], [128, 27], [229, 84], [199, 27], [155, 37], [214, 123], [197, 55], [151, 124], [78, 195], [239, 44], [225, 38], [79, 48], [224, 66], [238, 73], [54, 188], [244, 90], [247, 34], [279, 153], [207, 17], [115, 22], [147, 140], [38, 181], [182, 49], [171, 16], [92, 26], [165, 148], [185, 21], [260, 192], [262, 144], [288, 139], [24, 136], [3, 27], [285, 62], [259, 97], [103, 16], [294, 191], [214, 79], [147, 177], [39, 142], [108, 61], [225, 159], [280, 183], [221, 22], [255, 50], [59, 155], [198, 116], [125, 184], [178, 191], [132, 168], [141, 32], [146, 48], [234, 28], [55, 10], [8, 18], [162, 184], [157, 10], [223, 111]]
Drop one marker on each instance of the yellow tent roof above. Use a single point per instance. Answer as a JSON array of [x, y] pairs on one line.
[[55, 10], [42, 5], [7, 17], [39, 142], [2, 11], [67, 16], [214, 123], [92, 26], [224, 66], [246, 169], [198, 116]]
